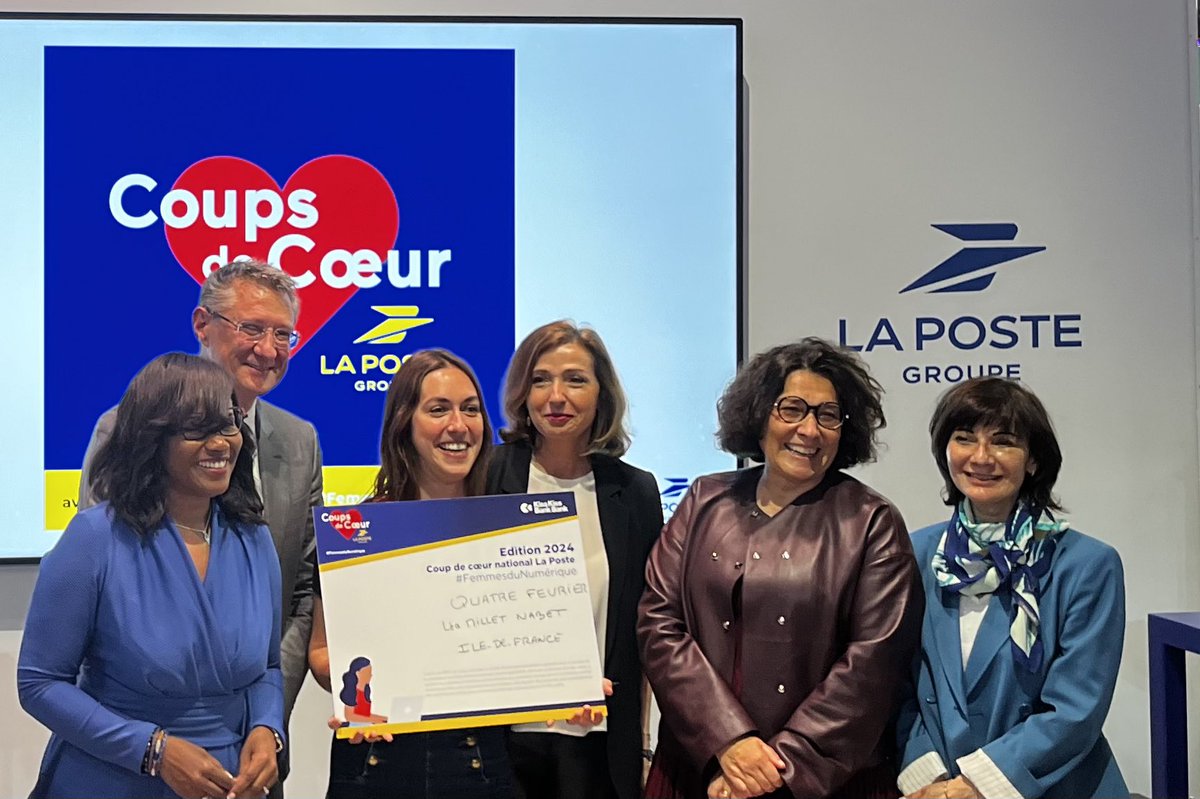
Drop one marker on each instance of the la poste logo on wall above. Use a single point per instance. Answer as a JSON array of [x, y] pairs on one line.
[[949, 339], [381, 180]]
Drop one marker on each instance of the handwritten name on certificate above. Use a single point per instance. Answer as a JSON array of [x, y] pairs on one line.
[[457, 612]]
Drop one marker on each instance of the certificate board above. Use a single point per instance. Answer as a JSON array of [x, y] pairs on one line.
[[443, 614]]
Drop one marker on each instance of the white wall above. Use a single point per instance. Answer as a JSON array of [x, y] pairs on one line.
[[1072, 120], [867, 123], [22, 739]]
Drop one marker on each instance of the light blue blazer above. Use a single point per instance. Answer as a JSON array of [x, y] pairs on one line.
[[1043, 729]]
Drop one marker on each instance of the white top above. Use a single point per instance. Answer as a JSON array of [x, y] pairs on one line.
[[971, 610], [595, 561]]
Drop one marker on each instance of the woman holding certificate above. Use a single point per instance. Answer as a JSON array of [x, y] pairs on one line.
[[782, 603], [566, 413], [436, 438], [151, 650]]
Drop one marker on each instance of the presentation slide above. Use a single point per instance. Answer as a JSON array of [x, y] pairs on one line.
[[428, 183]]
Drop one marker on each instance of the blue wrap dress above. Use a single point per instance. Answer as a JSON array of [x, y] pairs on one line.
[[122, 637]]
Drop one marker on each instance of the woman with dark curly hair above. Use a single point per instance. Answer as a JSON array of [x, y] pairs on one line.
[[782, 601], [151, 649]]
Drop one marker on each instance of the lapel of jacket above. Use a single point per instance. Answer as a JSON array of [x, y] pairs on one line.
[[942, 612], [514, 469], [990, 642], [273, 471], [614, 522]]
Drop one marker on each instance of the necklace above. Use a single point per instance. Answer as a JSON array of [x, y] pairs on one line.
[[206, 532]]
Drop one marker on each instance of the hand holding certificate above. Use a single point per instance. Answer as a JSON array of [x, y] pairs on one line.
[[457, 613]]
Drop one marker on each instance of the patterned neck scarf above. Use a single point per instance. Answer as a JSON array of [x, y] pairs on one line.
[[977, 558]]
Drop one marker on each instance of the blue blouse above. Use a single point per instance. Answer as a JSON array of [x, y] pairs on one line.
[[123, 637]]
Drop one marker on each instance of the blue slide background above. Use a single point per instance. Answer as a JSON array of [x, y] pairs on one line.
[[624, 218]]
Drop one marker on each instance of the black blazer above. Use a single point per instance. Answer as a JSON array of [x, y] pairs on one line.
[[630, 521]]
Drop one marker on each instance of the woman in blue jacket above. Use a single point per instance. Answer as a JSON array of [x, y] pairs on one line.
[[1024, 617]]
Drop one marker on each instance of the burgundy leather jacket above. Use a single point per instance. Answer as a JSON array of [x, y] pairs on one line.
[[829, 619]]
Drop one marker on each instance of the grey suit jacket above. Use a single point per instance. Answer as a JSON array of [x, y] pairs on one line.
[[289, 461]]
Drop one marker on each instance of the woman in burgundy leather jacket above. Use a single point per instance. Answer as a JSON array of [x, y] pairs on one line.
[[782, 604]]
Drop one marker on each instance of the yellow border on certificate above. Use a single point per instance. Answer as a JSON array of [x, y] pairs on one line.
[[487, 720], [325, 567]]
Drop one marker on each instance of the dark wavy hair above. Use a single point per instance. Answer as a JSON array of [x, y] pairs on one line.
[[745, 407], [399, 463], [608, 436], [1006, 405], [348, 694], [173, 392]]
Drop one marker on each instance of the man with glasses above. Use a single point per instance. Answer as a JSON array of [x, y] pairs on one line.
[[245, 322]]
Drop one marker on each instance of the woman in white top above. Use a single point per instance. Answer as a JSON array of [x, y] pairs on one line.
[[566, 432], [1024, 618]]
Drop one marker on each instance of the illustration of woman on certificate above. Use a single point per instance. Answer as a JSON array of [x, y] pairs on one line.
[[356, 693]]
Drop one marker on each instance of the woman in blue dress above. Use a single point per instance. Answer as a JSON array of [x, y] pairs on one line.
[[435, 445], [151, 649]]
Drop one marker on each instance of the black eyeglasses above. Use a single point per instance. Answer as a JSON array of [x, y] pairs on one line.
[[284, 337], [793, 410], [229, 428]]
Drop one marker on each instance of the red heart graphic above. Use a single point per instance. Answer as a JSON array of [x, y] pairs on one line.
[[355, 209], [346, 522]]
